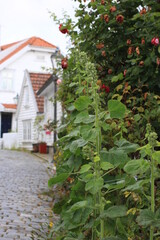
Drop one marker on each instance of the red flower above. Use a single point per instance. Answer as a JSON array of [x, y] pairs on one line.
[[63, 29], [141, 63], [158, 61], [124, 73], [155, 41], [110, 71], [100, 45], [130, 50], [103, 53], [107, 89], [142, 41], [103, 86], [143, 11], [129, 41], [113, 9], [103, 2], [64, 63], [119, 18], [106, 18], [48, 132]]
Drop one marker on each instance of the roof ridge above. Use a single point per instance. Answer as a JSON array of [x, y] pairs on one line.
[[25, 42]]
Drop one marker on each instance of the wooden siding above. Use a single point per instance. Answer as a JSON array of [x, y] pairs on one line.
[[26, 113]]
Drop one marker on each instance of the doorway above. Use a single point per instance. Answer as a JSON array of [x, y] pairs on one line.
[[6, 123]]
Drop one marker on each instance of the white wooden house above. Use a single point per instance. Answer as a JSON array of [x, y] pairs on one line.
[[32, 54], [52, 108], [29, 107]]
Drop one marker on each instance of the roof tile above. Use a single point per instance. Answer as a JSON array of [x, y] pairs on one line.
[[12, 106], [37, 80]]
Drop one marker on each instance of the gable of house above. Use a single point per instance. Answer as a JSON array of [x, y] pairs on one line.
[[9, 50]]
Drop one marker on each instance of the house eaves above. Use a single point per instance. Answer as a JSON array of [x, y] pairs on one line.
[[12, 51], [51, 80]]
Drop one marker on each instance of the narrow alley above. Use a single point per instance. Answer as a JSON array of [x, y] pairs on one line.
[[23, 204]]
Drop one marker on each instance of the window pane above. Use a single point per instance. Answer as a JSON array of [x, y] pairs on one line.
[[27, 130]]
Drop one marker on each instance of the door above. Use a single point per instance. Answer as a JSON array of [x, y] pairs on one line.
[[6, 123]]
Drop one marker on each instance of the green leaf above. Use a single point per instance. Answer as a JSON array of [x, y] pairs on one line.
[[137, 166], [106, 165], [106, 126], [115, 157], [126, 146], [59, 178], [120, 226], [85, 168], [137, 186], [118, 77], [146, 218], [156, 156], [94, 185], [82, 103], [77, 144], [115, 211], [77, 206], [116, 109], [113, 238], [81, 117]]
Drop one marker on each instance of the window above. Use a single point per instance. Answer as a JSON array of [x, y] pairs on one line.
[[6, 81], [27, 130]]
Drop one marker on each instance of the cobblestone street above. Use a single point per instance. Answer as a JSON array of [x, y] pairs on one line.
[[23, 206]]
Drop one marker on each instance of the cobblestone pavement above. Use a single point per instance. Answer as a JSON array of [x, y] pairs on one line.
[[23, 179]]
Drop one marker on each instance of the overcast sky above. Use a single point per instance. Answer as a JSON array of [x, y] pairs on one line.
[[21, 19]]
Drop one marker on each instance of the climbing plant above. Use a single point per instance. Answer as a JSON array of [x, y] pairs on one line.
[[108, 156]]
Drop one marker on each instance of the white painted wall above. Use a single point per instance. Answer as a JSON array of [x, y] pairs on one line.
[[49, 111], [10, 141], [26, 113], [33, 61]]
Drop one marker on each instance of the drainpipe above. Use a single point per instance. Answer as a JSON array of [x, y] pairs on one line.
[[53, 56]]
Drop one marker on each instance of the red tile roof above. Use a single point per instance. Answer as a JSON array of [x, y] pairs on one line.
[[37, 80], [33, 41], [12, 106]]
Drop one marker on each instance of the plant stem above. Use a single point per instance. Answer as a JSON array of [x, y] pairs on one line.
[[98, 148], [152, 194]]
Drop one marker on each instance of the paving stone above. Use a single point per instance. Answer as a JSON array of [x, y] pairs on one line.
[[23, 207]]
